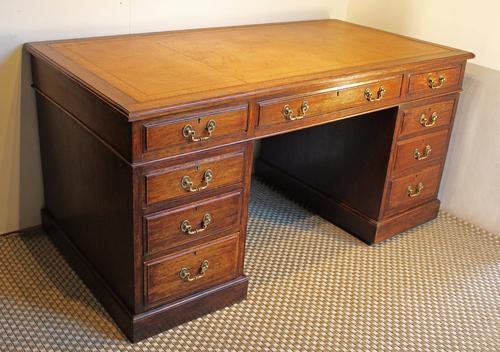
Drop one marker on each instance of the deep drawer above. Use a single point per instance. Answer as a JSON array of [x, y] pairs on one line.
[[196, 131], [426, 118], [193, 177], [419, 150], [290, 109], [411, 190], [187, 223], [192, 270]]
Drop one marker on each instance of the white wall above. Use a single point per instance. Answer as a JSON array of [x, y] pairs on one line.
[[21, 195], [471, 180]]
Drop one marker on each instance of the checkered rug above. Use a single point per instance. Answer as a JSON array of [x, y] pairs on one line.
[[313, 287]]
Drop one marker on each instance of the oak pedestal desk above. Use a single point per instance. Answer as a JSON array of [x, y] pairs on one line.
[[147, 144]]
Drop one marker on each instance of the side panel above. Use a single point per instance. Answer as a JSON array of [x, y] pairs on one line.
[[107, 122], [88, 191]]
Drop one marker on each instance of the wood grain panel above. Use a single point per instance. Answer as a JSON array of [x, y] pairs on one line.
[[163, 229], [271, 111], [412, 117], [162, 276], [229, 122], [166, 184], [399, 198], [405, 150], [419, 83]]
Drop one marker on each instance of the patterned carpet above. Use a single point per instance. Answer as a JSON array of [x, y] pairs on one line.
[[313, 287]]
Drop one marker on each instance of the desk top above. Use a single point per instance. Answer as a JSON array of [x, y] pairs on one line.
[[144, 72]]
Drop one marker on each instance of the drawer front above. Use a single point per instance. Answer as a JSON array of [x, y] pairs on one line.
[[289, 109], [433, 82], [420, 150], [426, 118], [194, 177], [411, 190], [181, 225], [190, 271], [196, 131]]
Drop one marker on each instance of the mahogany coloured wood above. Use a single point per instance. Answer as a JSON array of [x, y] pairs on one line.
[[165, 184], [427, 117], [419, 150], [403, 197], [271, 112], [163, 229], [229, 122], [113, 114], [162, 276], [425, 83]]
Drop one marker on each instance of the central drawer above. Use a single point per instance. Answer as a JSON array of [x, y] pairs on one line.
[[293, 108], [192, 270]]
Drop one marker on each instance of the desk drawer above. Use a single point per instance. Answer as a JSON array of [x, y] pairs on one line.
[[420, 150], [193, 270], [196, 131], [433, 82], [188, 223], [411, 190], [290, 109], [426, 118], [194, 177]]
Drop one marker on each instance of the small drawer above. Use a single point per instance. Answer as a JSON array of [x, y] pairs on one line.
[[433, 82], [196, 131], [411, 190], [194, 177], [181, 225], [419, 150], [289, 109], [192, 270], [427, 117]]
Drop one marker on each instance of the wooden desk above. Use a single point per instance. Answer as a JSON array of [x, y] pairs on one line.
[[147, 145]]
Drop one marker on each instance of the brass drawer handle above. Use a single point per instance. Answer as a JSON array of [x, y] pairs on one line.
[[185, 274], [414, 193], [187, 184], [189, 132], [425, 154], [188, 229], [287, 112], [435, 84], [426, 123], [369, 94]]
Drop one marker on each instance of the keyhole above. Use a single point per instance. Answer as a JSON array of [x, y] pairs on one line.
[[338, 93]]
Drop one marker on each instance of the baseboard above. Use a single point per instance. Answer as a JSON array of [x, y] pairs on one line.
[[34, 228], [181, 311], [366, 229]]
